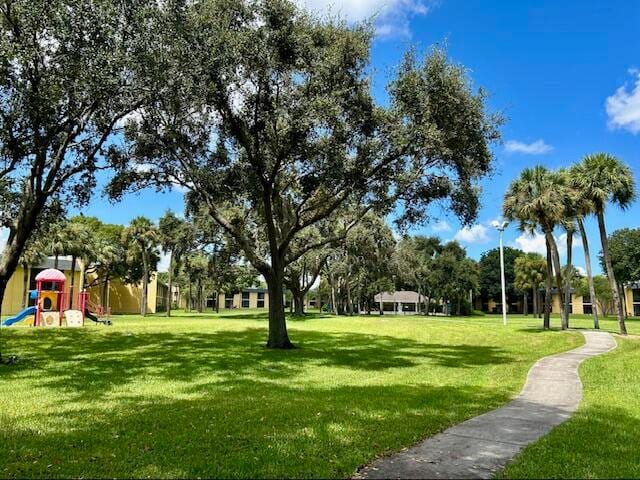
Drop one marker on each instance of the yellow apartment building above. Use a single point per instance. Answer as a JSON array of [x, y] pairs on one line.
[[579, 304], [121, 297]]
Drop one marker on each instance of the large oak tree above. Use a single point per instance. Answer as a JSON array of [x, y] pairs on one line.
[[268, 119]]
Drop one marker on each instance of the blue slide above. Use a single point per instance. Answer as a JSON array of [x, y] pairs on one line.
[[20, 316]]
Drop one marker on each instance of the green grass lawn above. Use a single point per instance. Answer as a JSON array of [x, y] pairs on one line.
[[199, 395]]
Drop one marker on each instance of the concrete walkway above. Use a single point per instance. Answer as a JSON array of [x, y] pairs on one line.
[[481, 446]]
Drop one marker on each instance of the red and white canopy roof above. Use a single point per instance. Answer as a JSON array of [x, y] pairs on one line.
[[50, 275]]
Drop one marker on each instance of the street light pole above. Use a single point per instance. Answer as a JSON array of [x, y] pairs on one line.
[[501, 228]]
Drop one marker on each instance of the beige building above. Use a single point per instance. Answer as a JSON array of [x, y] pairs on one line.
[[247, 298], [579, 304], [121, 297]]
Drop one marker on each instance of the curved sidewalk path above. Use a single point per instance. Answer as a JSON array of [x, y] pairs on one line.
[[481, 446]]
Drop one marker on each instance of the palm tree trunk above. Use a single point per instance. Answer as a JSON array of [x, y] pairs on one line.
[[105, 293], [547, 293], [555, 258], [534, 294], [623, 299], [525, 305], [568, 275], [617, 304], [145, 284], [73, 275], [587, 261], [25, 285], [170, 283], [55, 262]]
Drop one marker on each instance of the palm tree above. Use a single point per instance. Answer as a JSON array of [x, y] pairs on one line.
[[537, 200], [584, 207], [142, 239], [530, 272], [176, 237], [57, 240], [568, 223], [80, 245], [603, 179]]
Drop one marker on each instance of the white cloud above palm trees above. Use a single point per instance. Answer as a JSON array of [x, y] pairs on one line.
[[535, 243], [538, 147], [623, 107], [392, 16]]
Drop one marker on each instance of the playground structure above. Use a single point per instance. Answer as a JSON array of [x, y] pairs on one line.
[[53, 305]]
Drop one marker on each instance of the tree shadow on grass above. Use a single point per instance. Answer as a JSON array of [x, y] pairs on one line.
[[84, 362], [242, 428]]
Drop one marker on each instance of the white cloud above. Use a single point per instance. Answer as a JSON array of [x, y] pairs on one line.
[[163, 264], [536, 243], [538, 147], [474, 234], [623, 107], [581, 270], [532, 243], [441, 226], [392, 16], [562, 243]]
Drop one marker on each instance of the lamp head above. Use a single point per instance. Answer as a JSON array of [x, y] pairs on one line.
[[500, 225]]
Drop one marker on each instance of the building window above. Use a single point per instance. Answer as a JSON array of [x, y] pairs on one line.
[[228, 300], [245, 299], [636, 302], [587, 306], [260, 299]]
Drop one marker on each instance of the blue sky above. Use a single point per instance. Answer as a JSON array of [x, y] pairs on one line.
[[564, 73]]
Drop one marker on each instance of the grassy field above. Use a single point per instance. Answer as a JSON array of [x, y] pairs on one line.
[[199, 395], [603, 439]]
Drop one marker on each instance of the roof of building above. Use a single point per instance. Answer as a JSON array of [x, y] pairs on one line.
[[403, 296], [64, 263], [51, 275]]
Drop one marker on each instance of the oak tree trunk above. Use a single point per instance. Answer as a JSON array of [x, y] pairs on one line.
[[349, 300], [18, 237], [298, 302], [278, 336]]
